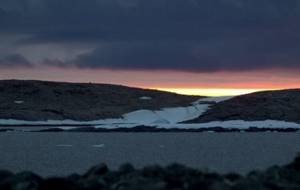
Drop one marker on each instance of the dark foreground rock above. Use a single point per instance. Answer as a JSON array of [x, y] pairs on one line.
[[158, 178]]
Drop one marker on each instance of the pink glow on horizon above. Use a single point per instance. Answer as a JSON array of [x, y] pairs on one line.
[[271, 79]]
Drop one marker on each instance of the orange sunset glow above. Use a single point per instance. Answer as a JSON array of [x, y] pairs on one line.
[[207, 84], [211, 92]]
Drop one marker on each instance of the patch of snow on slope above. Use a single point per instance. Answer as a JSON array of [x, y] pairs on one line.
[[145, 98], [141, 116], [167, 115], [213, 99], [176, 115], [18, 102]]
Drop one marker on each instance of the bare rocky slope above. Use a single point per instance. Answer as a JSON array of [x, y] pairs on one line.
[[281, 105], [41, 100]]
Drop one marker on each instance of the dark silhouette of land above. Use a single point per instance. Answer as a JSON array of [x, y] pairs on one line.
[[41, 100], [282, 105]]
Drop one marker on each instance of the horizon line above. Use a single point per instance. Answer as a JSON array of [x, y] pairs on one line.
[[213, 92], [194, 91]]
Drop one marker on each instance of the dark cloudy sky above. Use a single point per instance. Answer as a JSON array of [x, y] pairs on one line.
[[209, 43]]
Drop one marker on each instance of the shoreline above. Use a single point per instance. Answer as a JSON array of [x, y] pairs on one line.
[[139, 129]]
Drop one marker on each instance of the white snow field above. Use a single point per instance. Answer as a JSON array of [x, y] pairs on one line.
[[214, 99], [164, 118]]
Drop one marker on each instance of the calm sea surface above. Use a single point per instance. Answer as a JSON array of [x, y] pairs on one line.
[[65, 153]]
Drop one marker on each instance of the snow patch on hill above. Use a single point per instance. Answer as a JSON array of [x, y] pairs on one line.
[[145, 98], [167, 115], [213, 99]]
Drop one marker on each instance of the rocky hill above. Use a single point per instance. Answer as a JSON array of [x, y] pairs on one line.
[[283, 105], [40, 100]]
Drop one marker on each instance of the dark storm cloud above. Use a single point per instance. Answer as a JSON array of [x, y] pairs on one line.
[[14, 60], [190, 35], [242, 55]]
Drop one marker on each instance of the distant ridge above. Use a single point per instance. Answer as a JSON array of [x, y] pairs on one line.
[[281, 105], [43, 100]]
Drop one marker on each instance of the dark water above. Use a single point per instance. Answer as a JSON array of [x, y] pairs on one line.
[[65, 153]]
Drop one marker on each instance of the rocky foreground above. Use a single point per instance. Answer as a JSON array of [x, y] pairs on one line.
[[157, 178]]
